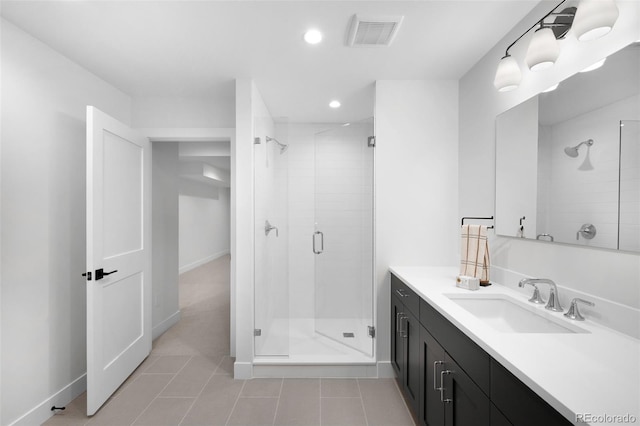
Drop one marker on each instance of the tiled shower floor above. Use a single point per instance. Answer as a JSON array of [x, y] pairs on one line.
[[187, 379]]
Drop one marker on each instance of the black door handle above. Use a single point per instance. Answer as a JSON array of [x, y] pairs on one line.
[[101, 274]]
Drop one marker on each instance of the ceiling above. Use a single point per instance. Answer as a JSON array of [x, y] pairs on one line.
[[197, 48]]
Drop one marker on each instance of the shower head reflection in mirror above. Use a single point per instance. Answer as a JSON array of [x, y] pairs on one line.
[[572, 151], [283, 147]]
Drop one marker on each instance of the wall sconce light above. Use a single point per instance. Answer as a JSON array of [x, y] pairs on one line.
[[508, 75], [543, 49], [592, 19]]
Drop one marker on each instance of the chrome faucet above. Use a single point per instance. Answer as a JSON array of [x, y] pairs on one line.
[[269, 227], [573, 312], [554, 303], [535, 298]]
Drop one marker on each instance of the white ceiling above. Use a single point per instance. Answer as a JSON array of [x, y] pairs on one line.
[[198, 48]]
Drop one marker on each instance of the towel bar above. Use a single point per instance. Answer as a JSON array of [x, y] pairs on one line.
[[477, 217]]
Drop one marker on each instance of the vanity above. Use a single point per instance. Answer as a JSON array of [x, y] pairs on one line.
[[490, 357]]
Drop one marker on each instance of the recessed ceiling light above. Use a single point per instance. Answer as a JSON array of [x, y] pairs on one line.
[[334, 104], [313, 36], [594, 66], [551, 89]]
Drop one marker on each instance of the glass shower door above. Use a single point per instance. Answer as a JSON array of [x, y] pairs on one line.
[[343, 237]]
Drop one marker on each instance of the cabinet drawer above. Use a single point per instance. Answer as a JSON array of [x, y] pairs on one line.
[[469, 356], [519, 404], [407, 296]]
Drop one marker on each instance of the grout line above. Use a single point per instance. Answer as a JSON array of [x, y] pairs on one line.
[[259, 397], [158, 374], [275, 414], [198, 396], [235, 403], [366, 419], [320, 403], [162, 390], [219, 364], [175, 397]]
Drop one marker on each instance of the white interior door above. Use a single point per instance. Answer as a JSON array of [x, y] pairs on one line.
[[118, 255]]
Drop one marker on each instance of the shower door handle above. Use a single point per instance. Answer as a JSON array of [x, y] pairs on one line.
[[313, 237]]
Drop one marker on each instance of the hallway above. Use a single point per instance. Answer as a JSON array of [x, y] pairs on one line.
[[187, 379]]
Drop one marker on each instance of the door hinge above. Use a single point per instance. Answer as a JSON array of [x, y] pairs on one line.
[[371, 141], [257, 332], [372, 331]]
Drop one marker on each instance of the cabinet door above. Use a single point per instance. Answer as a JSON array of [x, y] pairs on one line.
[[497, 418], [518, 403], [397, 342], [465, 403], [411, 373], [431, 408]]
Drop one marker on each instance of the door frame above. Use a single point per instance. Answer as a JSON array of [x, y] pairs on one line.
[[222, 134]]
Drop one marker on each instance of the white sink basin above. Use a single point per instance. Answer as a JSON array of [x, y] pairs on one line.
[[508, 315]]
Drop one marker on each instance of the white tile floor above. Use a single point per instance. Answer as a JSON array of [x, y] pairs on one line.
[[187, 379]]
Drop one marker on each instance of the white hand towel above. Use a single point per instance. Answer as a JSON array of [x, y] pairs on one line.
[[474, 259]]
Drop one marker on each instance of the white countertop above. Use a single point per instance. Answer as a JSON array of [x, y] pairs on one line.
[[597, 372]]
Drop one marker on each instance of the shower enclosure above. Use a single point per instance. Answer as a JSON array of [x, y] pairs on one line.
[[314, 286]]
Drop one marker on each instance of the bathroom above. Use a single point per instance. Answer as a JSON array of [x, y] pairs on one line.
[[434, 162]]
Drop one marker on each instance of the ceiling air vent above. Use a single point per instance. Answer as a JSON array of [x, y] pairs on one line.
[[373, 31]]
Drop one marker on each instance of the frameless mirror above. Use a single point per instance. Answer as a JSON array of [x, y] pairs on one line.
[[568, 161]]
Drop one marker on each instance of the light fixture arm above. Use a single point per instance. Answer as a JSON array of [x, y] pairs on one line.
[[541, 23]]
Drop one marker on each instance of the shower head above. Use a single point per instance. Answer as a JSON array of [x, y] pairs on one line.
[[572, 151], [283, 147]]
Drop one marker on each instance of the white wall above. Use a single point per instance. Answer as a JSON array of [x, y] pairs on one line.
[[44, 99], [242, 233], [180, 112], [416, 166], [607, 274], [204, 229], [165, 311]]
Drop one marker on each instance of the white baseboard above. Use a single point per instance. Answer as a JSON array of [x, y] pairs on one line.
[[385, 370], [242, 370], [42, 412], [201, 262], [314, 371], [165, 325]]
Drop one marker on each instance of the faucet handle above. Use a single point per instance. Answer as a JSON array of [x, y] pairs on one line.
[[573, 312], [535, 297]]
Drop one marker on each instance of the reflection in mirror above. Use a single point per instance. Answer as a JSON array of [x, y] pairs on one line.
[[564, 161], [630, 185]]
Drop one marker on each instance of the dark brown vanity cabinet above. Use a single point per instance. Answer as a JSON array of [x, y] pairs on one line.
[[447, 379], [448, 395], [405, 341], [432, 360]]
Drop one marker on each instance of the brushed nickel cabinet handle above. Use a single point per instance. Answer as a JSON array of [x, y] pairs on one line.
[[442, 389], [435, 363]]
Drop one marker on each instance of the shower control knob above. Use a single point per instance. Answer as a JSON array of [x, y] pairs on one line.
[[587, 231]]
